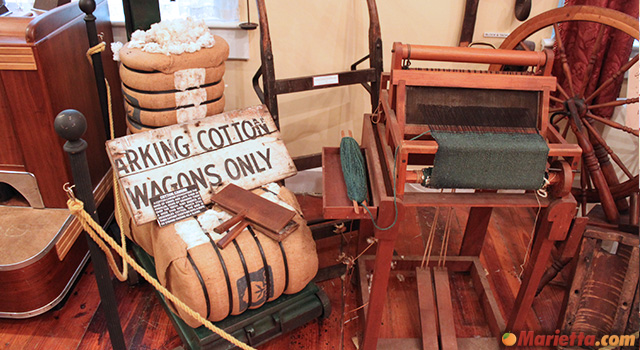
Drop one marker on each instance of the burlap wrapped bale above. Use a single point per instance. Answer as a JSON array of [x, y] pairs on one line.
[[213, 56], [215, 282], [158, 81], [150, 118], [173, 98], [135, 128]]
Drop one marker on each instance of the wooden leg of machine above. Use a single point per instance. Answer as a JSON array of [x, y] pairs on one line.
[[475, 231], [381, 271], [566, 252], [365, 230], [554, 225]]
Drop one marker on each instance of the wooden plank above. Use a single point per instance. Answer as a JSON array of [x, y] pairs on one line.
[[445, 309], [15, 50], [482, 343], [475, 200], [18, 66], [464, 79], [410, 262], [487, 300], [315, 82], [28, 58], [335, 202], [241, 147], [475, 231], [398, 343], [380, 187], [428, 313]]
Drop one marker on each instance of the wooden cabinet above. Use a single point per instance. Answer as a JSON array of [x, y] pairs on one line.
[[44, 70]]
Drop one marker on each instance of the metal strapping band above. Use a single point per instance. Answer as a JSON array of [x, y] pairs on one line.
[[246, 275], [286, 267], [267, 272], [204, 287], [226, 275]]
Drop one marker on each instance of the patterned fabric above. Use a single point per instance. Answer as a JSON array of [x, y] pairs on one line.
[[579, 38]]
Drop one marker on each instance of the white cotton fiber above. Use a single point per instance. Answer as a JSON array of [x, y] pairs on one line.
[[115, 48], [173, 37], [272, 189], [210, 219], [191, 232]]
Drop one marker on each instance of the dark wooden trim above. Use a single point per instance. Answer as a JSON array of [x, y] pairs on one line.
[[286, 86]]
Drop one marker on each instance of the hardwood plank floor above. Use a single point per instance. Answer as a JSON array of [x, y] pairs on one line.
[[80, 325]]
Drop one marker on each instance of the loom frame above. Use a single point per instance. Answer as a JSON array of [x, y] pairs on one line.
[[393, 97], [382, 134]]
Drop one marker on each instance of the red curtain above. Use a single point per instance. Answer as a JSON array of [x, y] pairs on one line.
[[578, 39]]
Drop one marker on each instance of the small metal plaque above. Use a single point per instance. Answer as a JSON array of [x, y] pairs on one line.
[[177, 205]]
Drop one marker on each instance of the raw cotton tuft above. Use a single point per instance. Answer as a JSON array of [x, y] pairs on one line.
[[173, 37], [115, 48]]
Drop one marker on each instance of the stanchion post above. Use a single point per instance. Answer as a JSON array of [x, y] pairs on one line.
[[88, 6], [71, 125]]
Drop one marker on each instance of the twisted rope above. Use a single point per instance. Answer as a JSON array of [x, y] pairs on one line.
[[96, 233]]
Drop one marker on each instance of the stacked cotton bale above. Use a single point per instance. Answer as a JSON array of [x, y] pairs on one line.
[[172, 73]]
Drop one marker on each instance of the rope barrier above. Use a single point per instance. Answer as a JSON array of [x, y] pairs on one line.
[[96, 233]]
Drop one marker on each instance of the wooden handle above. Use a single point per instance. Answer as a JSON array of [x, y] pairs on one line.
[[229, 223], [224, 241]]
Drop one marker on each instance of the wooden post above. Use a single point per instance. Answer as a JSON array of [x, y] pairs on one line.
[[475, 231], [71, 125], [381, 271], [553, 226], [468, 23]]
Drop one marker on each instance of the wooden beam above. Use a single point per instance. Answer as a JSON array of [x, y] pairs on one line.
[[448, 339], [428, 313]]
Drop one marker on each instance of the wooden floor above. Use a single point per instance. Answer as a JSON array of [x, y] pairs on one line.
[[80, 325]]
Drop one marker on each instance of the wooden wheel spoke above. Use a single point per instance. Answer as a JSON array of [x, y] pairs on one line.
[[562, 92], [613, 124], [592, 61], [557, 109], [524, 47], [584, 181], [563, 59], [598, 138], [614, 103], [565, 131], [555, 99], [612, 79]]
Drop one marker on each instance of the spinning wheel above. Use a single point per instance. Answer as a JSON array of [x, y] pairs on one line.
[[575, 109]]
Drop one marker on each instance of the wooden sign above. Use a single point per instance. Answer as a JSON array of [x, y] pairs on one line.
[[241, 147]]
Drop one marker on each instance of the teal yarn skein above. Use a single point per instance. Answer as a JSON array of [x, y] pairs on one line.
[[353, 169]]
